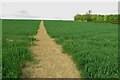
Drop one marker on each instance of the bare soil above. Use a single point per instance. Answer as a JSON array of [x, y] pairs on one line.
[[51, 62]]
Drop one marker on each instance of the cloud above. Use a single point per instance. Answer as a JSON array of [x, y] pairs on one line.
[[20, 14], [23, 12]]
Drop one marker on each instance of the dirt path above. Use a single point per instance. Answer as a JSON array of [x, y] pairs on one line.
[[51, 62]]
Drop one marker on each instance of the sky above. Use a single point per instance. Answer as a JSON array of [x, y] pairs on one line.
[[61, 9]]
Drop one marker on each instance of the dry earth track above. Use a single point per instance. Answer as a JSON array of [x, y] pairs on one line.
[[51, 61]]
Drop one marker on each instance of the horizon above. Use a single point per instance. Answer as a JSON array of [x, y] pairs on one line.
[[50, 18]]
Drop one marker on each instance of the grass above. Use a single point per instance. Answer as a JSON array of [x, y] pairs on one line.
[[17, 38], [0, 49], [93, 46]]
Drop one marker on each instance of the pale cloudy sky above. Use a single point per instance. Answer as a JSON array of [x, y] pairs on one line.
[[61, 9]]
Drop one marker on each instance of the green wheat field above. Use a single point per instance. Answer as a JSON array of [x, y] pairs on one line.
[[92, 46]]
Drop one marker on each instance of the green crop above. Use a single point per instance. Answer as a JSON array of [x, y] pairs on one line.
[[17, 38], [0, 49], [93, 46]]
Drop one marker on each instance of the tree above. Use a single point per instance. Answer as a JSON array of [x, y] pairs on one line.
[[88, 15]]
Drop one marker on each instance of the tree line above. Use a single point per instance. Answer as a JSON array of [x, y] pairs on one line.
[[112, 18]]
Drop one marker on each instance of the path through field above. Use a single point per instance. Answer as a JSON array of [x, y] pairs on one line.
[[51, 62]]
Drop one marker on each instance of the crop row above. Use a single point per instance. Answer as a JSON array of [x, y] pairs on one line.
[[92, 46], [17, 38]]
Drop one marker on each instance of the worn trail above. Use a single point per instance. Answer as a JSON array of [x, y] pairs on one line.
[[51, 62]]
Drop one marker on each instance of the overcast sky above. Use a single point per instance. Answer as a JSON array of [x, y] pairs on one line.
[[55, 10]]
